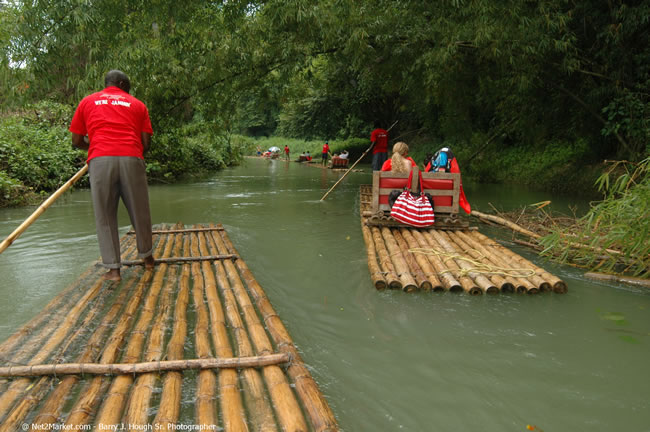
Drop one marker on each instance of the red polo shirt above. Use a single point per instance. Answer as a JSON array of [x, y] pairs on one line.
[[113, 121], [380, 138]]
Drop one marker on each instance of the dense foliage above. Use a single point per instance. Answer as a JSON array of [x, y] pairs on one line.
[[524, 91]]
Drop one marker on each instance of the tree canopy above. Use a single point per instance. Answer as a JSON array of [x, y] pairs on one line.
[[514, 73]]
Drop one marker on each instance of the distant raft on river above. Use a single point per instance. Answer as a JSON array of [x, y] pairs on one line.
[[193, 344], [449, 255]]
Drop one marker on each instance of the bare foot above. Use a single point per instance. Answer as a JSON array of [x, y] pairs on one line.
[[113, 275], [149, 262]]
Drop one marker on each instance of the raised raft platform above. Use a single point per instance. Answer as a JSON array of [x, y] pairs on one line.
[[193, 344], [454, 258]]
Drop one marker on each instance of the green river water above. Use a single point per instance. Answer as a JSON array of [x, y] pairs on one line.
[[386, 361]]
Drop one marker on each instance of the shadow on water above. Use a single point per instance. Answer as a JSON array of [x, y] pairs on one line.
[[384, 360]]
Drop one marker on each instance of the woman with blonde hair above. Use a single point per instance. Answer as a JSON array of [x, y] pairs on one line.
[[399, 161]]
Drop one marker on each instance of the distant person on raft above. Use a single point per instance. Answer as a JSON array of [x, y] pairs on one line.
[[326, 150], [379, 140], [116, 130]]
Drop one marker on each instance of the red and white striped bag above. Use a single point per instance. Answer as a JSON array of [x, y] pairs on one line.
[[412, 209]]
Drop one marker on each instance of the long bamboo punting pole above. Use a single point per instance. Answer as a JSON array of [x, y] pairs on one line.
[[401, 267], [56, 399], [385, 262], [41, 209], [538, 283], [286, 406], [448, 280], [207, 380], [259, 409], [92, 394], [230, 400], [482, 281], [491, 270], [137, 409], [375, 272], [520, 284], [318, 411], [468, 284], [110, 413], [425, 264], [558, 285], [170, 399], [413, 265], [17, 387]]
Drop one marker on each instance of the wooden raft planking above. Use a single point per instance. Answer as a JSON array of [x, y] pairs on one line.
[[439, 260], [192, 309]]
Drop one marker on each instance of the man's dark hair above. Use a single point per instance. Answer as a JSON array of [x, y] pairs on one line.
[[119, 79]]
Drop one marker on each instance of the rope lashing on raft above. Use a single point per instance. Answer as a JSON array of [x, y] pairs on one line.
[[477, 266]]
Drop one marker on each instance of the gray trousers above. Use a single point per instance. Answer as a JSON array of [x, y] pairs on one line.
[[112, 178]]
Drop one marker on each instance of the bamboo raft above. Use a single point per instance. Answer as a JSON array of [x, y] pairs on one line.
[[456, 260], [193, 344]]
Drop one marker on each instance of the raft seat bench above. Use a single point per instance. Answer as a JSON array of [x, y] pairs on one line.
[[339, 163], [444, 188]]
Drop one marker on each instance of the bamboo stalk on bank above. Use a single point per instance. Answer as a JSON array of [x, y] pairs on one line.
[[230, 401], [385, 262], [137, 409], [402, 269], [259, 409], [520, 284], [501, 221], [558, 285], [446, 277], [170, 399], [318, 411], [618, 278], [413, 265], [51, 409], [207, 380], [483, 282], [375, 273], [498, 280], [425, 264], [110, 413]]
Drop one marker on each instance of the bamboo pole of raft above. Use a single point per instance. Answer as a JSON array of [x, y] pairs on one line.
[[318, 411], [414, 267], [451, 266], [207, 380], [425, 264], [501, 221], [482, 281], [385, 262], [558, 285], [406, 280], [515, 260], [448, 280], [170, 399], [375, 273], [57, 307], [137, 409], [484, 263], [92, 393], [41, 209], [520, 283], [254, 393], [143, 368], [17, 387], [110, 413], [54, 403], [230, 400]]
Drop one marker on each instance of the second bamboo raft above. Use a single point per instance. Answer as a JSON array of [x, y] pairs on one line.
[[430, 259], [129, 350]]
